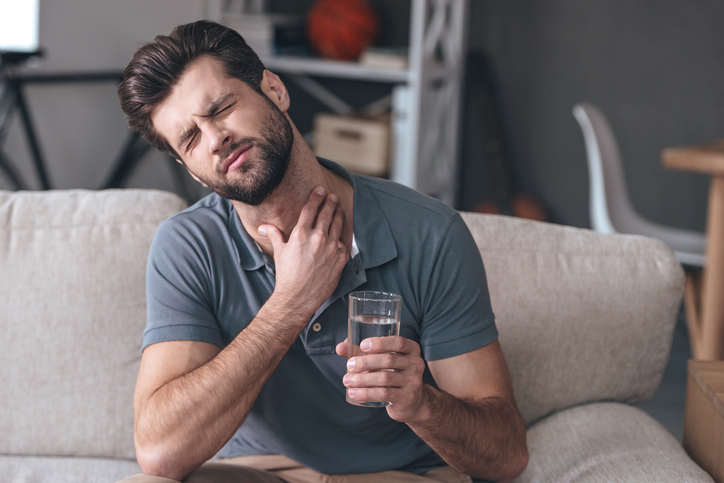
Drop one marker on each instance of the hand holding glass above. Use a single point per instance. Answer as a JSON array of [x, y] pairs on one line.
[[371, 314]]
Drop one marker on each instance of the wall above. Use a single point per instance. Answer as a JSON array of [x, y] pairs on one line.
[[80, 126], [656, 68]]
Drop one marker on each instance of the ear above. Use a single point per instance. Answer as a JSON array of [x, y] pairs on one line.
[[274, 88]]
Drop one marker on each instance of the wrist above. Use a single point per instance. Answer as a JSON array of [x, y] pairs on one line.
[[287, 311], [426, 410]]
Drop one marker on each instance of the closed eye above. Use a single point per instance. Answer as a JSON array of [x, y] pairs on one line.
[[191, 139], [223, 104], [226, 109]]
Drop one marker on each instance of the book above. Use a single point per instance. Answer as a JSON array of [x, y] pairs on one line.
[[393, 58]]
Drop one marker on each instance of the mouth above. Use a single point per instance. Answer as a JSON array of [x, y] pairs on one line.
[[236, 158]]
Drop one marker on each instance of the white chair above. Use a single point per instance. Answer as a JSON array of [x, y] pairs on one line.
[[611, 208]]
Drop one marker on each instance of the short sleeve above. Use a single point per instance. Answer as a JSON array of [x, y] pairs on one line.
[[178, 292], [458, 316]]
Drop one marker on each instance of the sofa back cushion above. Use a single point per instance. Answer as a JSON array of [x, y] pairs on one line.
[[72, 314], [582, 316]]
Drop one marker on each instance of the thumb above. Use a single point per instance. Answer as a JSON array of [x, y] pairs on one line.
[[273, 234], [342, 348]]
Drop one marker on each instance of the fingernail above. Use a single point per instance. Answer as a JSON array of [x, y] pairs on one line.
[[365, 345], [334, 198], [347, 380], [350, 364], [352, 392], [262, 231], [320, 191]]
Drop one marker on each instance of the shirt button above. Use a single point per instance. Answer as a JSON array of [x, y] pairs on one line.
[[317, 327]]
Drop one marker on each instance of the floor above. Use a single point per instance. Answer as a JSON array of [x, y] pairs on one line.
[[667, 404]]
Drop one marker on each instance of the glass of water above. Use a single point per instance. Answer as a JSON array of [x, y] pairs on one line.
[[371, 314]]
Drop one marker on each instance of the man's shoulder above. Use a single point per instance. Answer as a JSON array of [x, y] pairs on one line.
[[201, 223], [208, 209], [204, 233], [399, 200]]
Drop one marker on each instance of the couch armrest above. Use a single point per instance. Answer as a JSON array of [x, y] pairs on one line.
[[582, 316], [604, 442]]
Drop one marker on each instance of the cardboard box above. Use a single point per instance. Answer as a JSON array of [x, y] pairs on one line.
[[360, 145], [704, 416]]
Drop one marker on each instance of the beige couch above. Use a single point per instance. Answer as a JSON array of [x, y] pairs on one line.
[[586, 322]]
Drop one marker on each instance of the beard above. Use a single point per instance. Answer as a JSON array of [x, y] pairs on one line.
[[263, 173]]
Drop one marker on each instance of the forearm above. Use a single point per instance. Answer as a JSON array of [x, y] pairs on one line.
[[188, 420], [484, 438]]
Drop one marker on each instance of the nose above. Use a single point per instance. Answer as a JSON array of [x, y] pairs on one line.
[[219, 138]]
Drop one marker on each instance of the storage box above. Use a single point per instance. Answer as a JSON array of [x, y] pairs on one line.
[[360, 145], [704, 416]]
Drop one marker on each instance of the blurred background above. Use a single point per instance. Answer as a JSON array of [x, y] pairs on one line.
[[654, 68]]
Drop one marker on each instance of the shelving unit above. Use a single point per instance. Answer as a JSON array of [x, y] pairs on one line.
[[425, 98]]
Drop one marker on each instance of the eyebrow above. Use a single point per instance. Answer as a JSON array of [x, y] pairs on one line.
[[215, 107]]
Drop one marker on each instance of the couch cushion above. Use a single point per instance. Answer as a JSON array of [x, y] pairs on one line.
[[48, 469], [582, 316], [72, 313], [605, 442]]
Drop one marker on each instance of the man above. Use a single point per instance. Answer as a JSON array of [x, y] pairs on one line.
[[247, 300]]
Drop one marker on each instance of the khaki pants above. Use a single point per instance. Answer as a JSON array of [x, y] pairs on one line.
[[280, 469]]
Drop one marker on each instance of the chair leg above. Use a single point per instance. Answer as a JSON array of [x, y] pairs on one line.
[[692, 305]]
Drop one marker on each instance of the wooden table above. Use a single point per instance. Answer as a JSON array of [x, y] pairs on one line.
[[706, 330], [704, 416]]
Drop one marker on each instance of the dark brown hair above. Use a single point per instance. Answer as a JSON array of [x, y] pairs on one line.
[[157, 66]]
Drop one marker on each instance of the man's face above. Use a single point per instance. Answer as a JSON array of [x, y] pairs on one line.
[[231, 138]]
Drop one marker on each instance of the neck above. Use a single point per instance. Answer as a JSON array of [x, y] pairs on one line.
[[284, 205]]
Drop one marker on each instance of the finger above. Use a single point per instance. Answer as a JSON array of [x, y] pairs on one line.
[[311, 207], [341, 348], [376, 379], [393, 343], [274, 235], [389, 361], [341, 258], [389, 394], [324, 217], [335, 229], [343, 254]]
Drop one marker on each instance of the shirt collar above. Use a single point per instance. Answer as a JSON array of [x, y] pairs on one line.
[[372, 231]]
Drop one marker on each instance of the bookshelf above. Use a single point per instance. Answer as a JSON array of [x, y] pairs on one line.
[[425, 98]]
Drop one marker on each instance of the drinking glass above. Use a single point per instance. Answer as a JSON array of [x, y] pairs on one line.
[[371, 314]]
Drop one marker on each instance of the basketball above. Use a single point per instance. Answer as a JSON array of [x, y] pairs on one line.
[[341, 29]]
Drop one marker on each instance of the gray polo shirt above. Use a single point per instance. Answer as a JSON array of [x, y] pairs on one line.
[[207, 279]]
